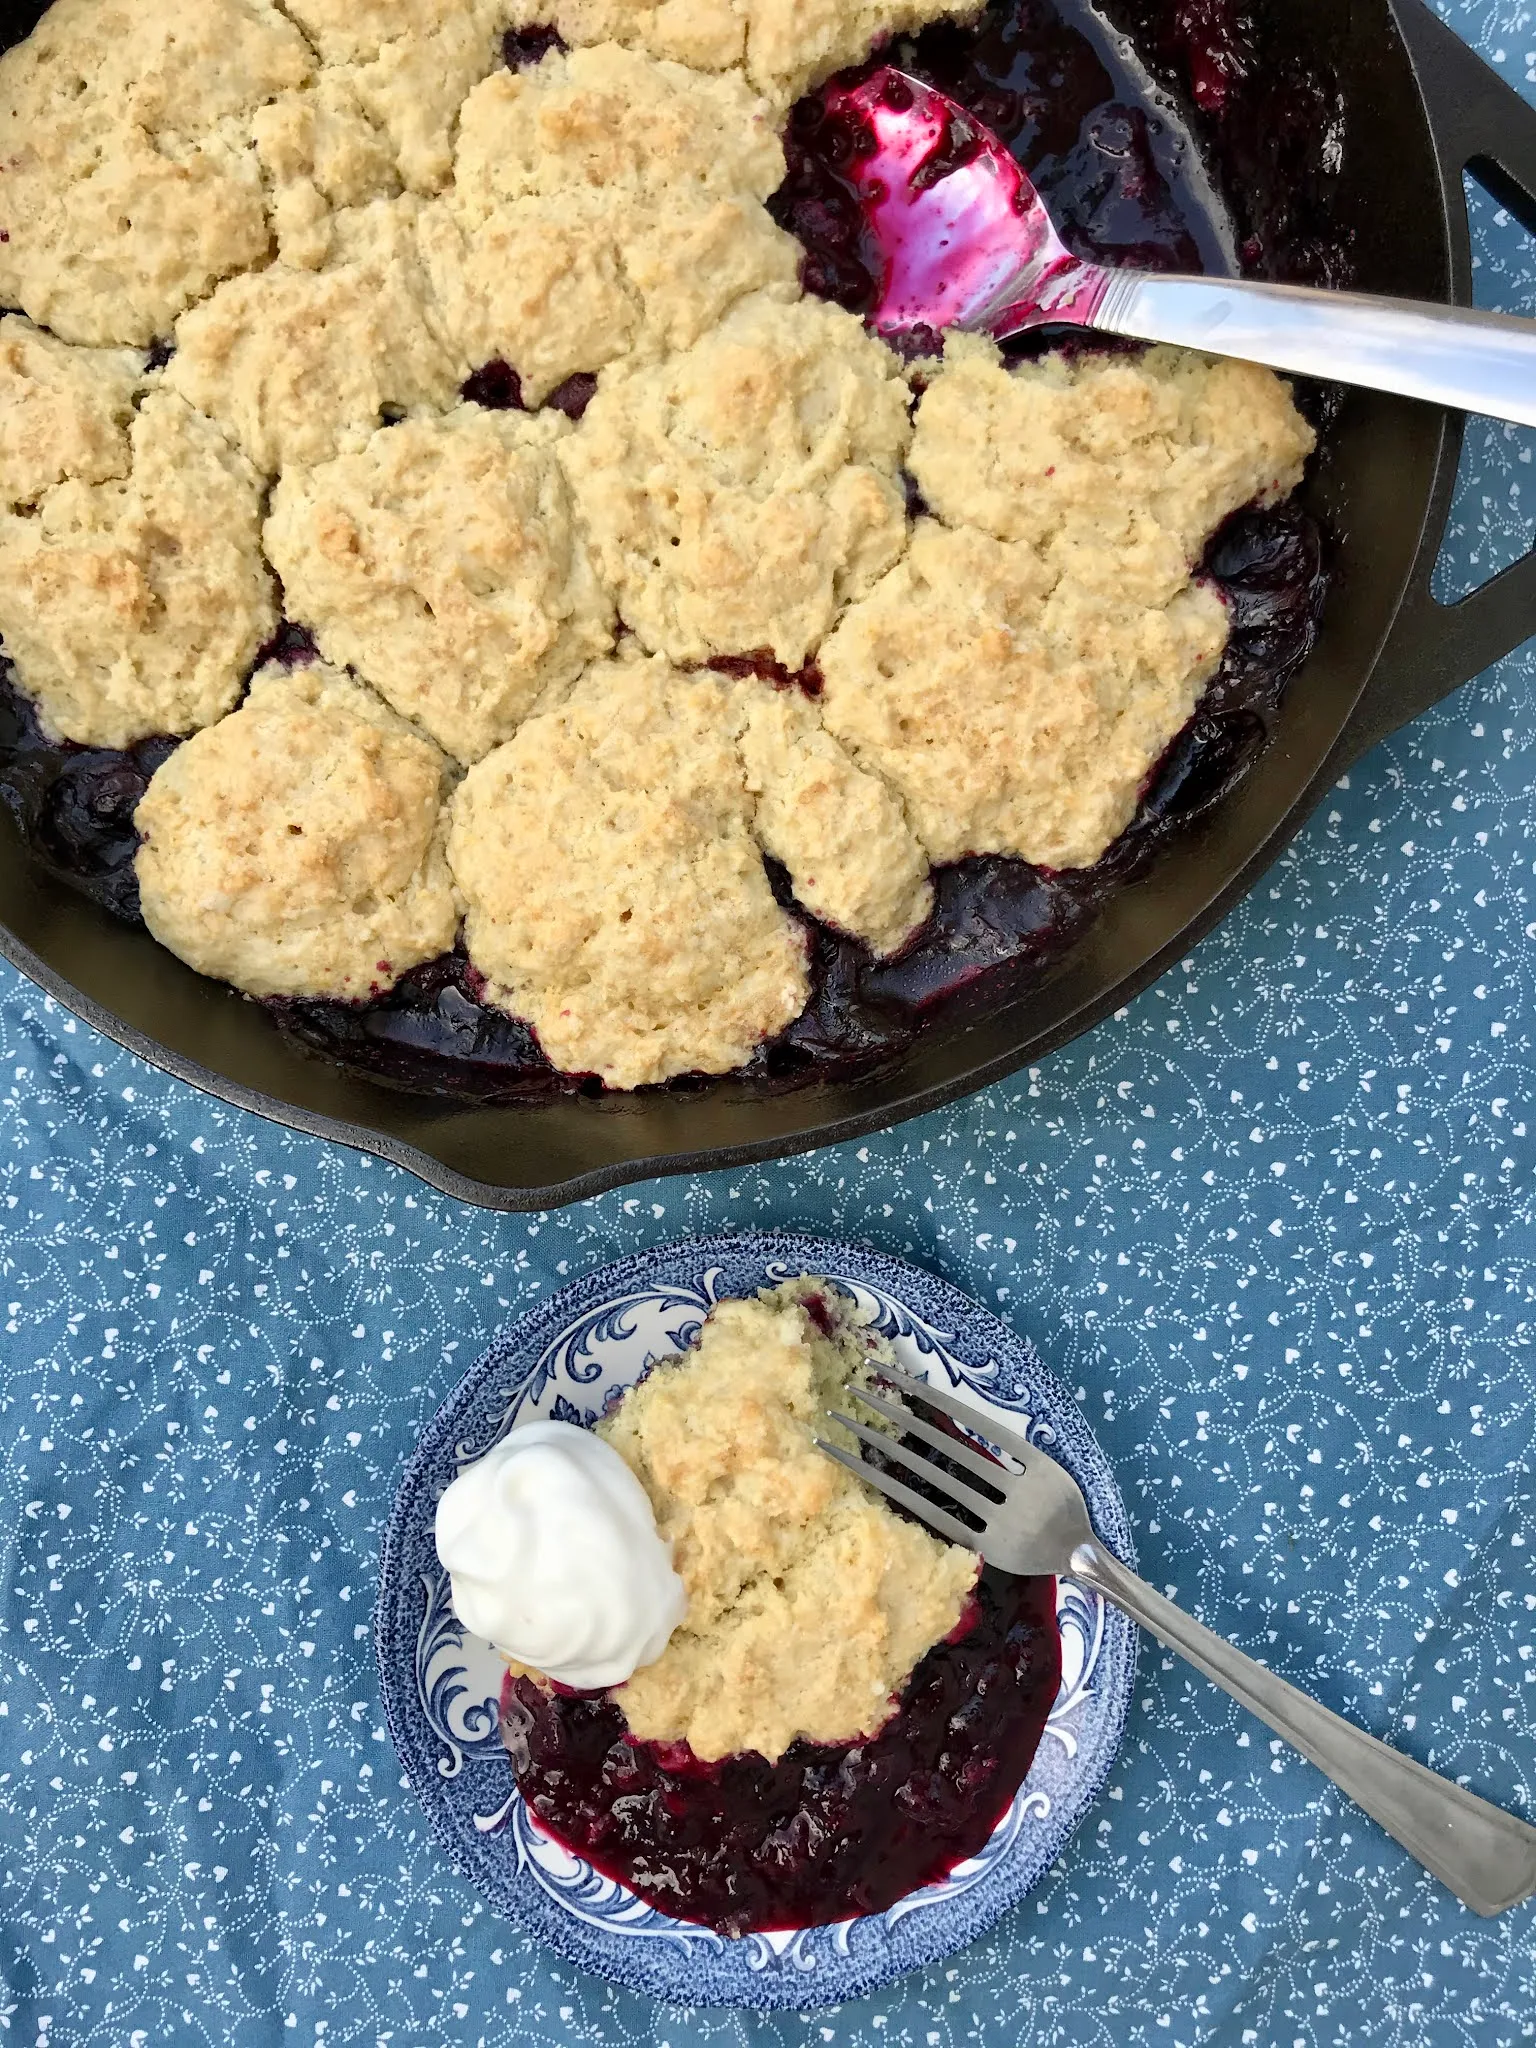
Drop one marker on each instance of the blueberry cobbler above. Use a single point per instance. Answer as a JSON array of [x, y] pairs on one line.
[[739, 1682], [471, 579]]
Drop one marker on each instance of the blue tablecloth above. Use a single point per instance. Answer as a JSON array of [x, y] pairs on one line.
[[1275, 1222]]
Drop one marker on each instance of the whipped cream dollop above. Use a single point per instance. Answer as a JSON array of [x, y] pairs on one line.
[[551, 1547]]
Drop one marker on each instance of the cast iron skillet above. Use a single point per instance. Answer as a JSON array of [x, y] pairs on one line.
[[1421, 108]]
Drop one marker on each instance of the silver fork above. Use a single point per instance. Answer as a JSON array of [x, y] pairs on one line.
[[1036, 1521]]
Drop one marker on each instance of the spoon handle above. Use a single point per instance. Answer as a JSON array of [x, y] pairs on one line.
[[1485, 1856], [1448, 355]]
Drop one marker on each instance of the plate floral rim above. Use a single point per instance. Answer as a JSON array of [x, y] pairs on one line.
[[563, 1359]]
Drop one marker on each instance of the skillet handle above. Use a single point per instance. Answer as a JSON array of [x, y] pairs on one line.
[[1480, 124]]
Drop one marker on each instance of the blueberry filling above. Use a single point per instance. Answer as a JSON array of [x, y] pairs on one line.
[[434, 1015], [495, 385], [1126, 181], [498, 387], [1123, 185], [74, 805], [761, 663], [522, 48], [291, 646], [827, 1831], [574, 395]]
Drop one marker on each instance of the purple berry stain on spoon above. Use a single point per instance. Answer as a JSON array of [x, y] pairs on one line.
[[954, 216]]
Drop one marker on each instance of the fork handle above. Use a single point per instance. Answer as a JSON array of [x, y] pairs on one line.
[[1485, 1856], [1449, 355]]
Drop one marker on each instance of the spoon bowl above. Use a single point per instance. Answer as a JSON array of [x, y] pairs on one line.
[[966, 241], [964, 237]]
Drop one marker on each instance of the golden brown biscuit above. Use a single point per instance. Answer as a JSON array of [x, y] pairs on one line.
[[615, 896], [1020, 673], [440, 560], [353, 31], [64, 411], [784, 46], [321, 151], [129, 187], [295, 848], [613, 121], [840, 831], [1116, 469], [415, 86], [809, 1601], [1012, 716], [404, 68], [533, 287], [603, 204], [288, 359], [738, 494]]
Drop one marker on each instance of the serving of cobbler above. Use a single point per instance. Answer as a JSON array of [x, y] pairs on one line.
[[470, 578], [847, 1706]]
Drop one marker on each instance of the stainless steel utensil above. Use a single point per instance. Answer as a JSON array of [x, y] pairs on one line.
[[967, 242], [1035, 1520]]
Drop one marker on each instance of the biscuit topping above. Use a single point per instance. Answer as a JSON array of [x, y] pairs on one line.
[[783, 45], [604, 205], [288, 359], [130, 188], [64, 411], [296, 847], [1018, 674], [136, 605]]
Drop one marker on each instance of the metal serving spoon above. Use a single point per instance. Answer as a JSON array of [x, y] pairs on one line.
[[967, 242], [1036, 1521]]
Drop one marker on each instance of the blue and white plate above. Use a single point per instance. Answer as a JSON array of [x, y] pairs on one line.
[[441, 1686]]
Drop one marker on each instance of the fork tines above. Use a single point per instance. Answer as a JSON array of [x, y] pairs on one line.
[[934, 1517], [972, 1487]]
